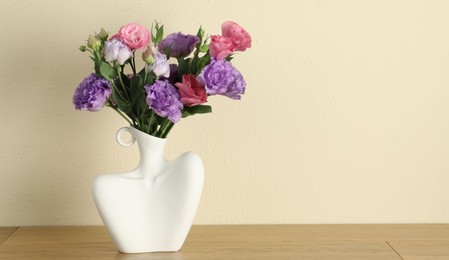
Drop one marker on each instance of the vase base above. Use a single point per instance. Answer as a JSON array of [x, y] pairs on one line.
[[151, 208], [144, 251]]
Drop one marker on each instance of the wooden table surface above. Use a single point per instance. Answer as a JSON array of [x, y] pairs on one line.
[[384, 242]]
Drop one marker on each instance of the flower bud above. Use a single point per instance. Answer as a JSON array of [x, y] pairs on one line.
[[103, 35], [147, 56], [93, 43], [83, 48], [201, 33]]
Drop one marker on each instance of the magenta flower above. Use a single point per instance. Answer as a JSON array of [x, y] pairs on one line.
[[191, 91]]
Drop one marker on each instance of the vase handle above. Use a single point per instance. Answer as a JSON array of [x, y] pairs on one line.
[[119, 138]]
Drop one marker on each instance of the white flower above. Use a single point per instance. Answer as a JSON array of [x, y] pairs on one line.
[[160, 67], [115, 50]]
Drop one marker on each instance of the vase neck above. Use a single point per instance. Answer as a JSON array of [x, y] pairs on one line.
[[152, 159]]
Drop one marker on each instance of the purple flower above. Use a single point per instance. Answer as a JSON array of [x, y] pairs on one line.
[[163, 98], [180, 45], [174, 76], [221, 78], [92, 93]]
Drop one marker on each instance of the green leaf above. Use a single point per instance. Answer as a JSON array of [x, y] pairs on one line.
[[159, 34], [137, 93], [156, 38], [96, 67], [150, 79], [229, 58], [202, 62], [122, 105], [136, 87], [200, 35], [200, 109], [183, 67], [167, 51], [152, 34], [204, 48], [107, 71], [142, 72], [126, 81]]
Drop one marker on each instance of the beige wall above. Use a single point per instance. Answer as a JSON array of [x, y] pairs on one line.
[[345, 120]]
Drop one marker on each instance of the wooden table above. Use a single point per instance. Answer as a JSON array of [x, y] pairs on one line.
[[240, 242]]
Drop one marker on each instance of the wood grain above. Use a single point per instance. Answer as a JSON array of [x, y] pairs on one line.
[[422, 249], [243, 242], [5, 232]]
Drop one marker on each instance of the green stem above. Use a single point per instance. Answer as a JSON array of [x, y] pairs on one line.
[[165, 128], [168, 129], [116, 89], [146, 74], [142, 125], [150, 122], [133, 63], [119, 74], [120, 113]]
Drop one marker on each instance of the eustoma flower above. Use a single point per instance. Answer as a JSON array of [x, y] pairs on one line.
[[191, 91], [233, 38], [174, 74], [115, 50], [220, 47], [135, 36], [239, 37], [160, 67], [157, 61], [92, 93], [221, 78], [178, 44], [163, 99], [155, 97]]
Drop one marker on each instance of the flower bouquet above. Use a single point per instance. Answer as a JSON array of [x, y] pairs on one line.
[[157, 96], [151, 208]]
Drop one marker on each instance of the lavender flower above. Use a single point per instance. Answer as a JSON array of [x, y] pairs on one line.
[[115, 50], [174, 76], [180, 45], [92, 93], [160, 67], [221, 78], [163, 98]]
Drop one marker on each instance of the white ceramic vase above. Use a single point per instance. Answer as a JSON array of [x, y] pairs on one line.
[[151, 208]]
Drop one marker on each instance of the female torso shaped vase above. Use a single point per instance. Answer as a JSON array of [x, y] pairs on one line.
[[151, 208]]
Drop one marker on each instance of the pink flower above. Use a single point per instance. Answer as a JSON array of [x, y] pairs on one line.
[[115, 36], [135, 36], [220, 47], [191, 91], [239, 37]]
